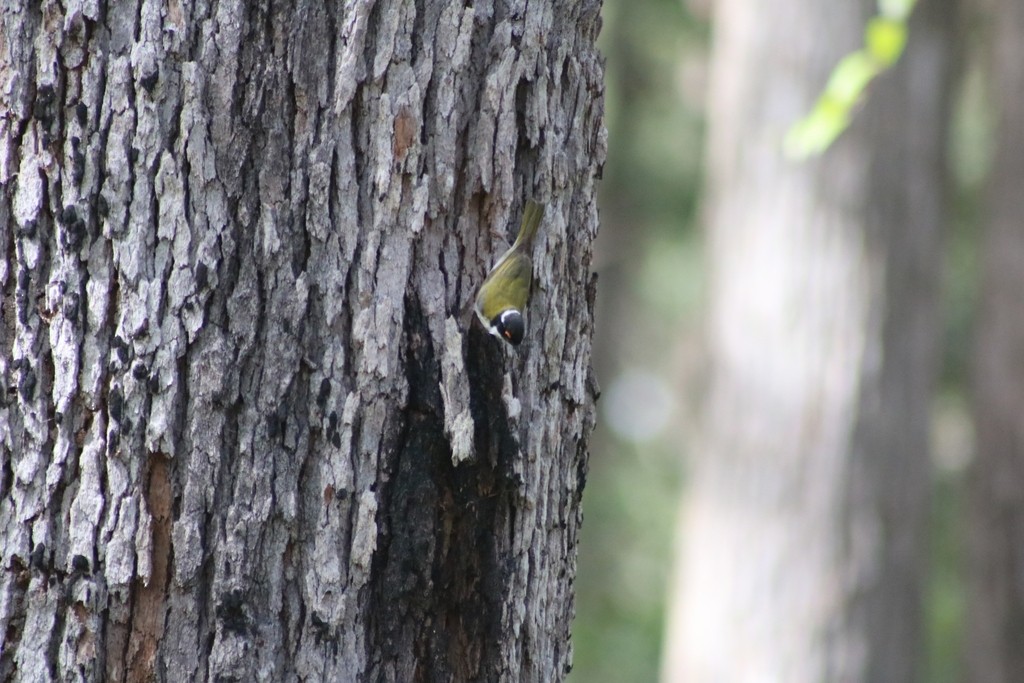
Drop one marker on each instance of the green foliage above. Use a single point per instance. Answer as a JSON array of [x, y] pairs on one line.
[[884, 39], [626, 548]]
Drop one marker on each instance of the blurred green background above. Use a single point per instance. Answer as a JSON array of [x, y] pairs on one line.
[[648, 355], [649, 260]]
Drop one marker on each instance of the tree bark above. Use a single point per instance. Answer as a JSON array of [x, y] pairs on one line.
[[249, 429], [995, 615], [803, 535]]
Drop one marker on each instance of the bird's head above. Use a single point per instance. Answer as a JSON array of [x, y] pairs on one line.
[[509, 325]]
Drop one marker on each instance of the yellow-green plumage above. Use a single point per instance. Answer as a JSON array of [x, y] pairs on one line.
[[508, 284]]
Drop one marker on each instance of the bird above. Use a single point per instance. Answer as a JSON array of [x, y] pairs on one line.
[[502, 299]]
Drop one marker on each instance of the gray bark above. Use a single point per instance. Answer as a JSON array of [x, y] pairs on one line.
[[995, 623], [803, 535], [248, 428]]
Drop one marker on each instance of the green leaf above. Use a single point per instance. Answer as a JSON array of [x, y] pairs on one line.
[[885, 39], [815, 132], [851, 76], [885, 36], [831, 114]]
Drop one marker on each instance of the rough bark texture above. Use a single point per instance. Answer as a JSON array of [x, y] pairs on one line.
[[802, 556], [995, 630], [249, 431]]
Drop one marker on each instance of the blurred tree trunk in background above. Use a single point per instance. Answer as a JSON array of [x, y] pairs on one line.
[[803, 531], [995, 623], [247, 432]]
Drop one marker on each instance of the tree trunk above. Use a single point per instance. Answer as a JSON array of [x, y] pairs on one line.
[[803, 535], [995, 630], [249, 429]]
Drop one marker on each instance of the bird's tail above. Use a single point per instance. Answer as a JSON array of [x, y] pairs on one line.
[[532, 215]]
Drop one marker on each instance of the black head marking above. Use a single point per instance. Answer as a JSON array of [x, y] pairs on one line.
[[510, 325]]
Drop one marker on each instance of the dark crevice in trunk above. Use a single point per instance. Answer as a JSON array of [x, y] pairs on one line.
[[438, 584]]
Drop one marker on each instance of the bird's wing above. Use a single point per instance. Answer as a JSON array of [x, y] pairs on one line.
[[507, 286]]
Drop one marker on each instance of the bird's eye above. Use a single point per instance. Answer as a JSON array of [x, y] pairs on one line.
[[508, 334]]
